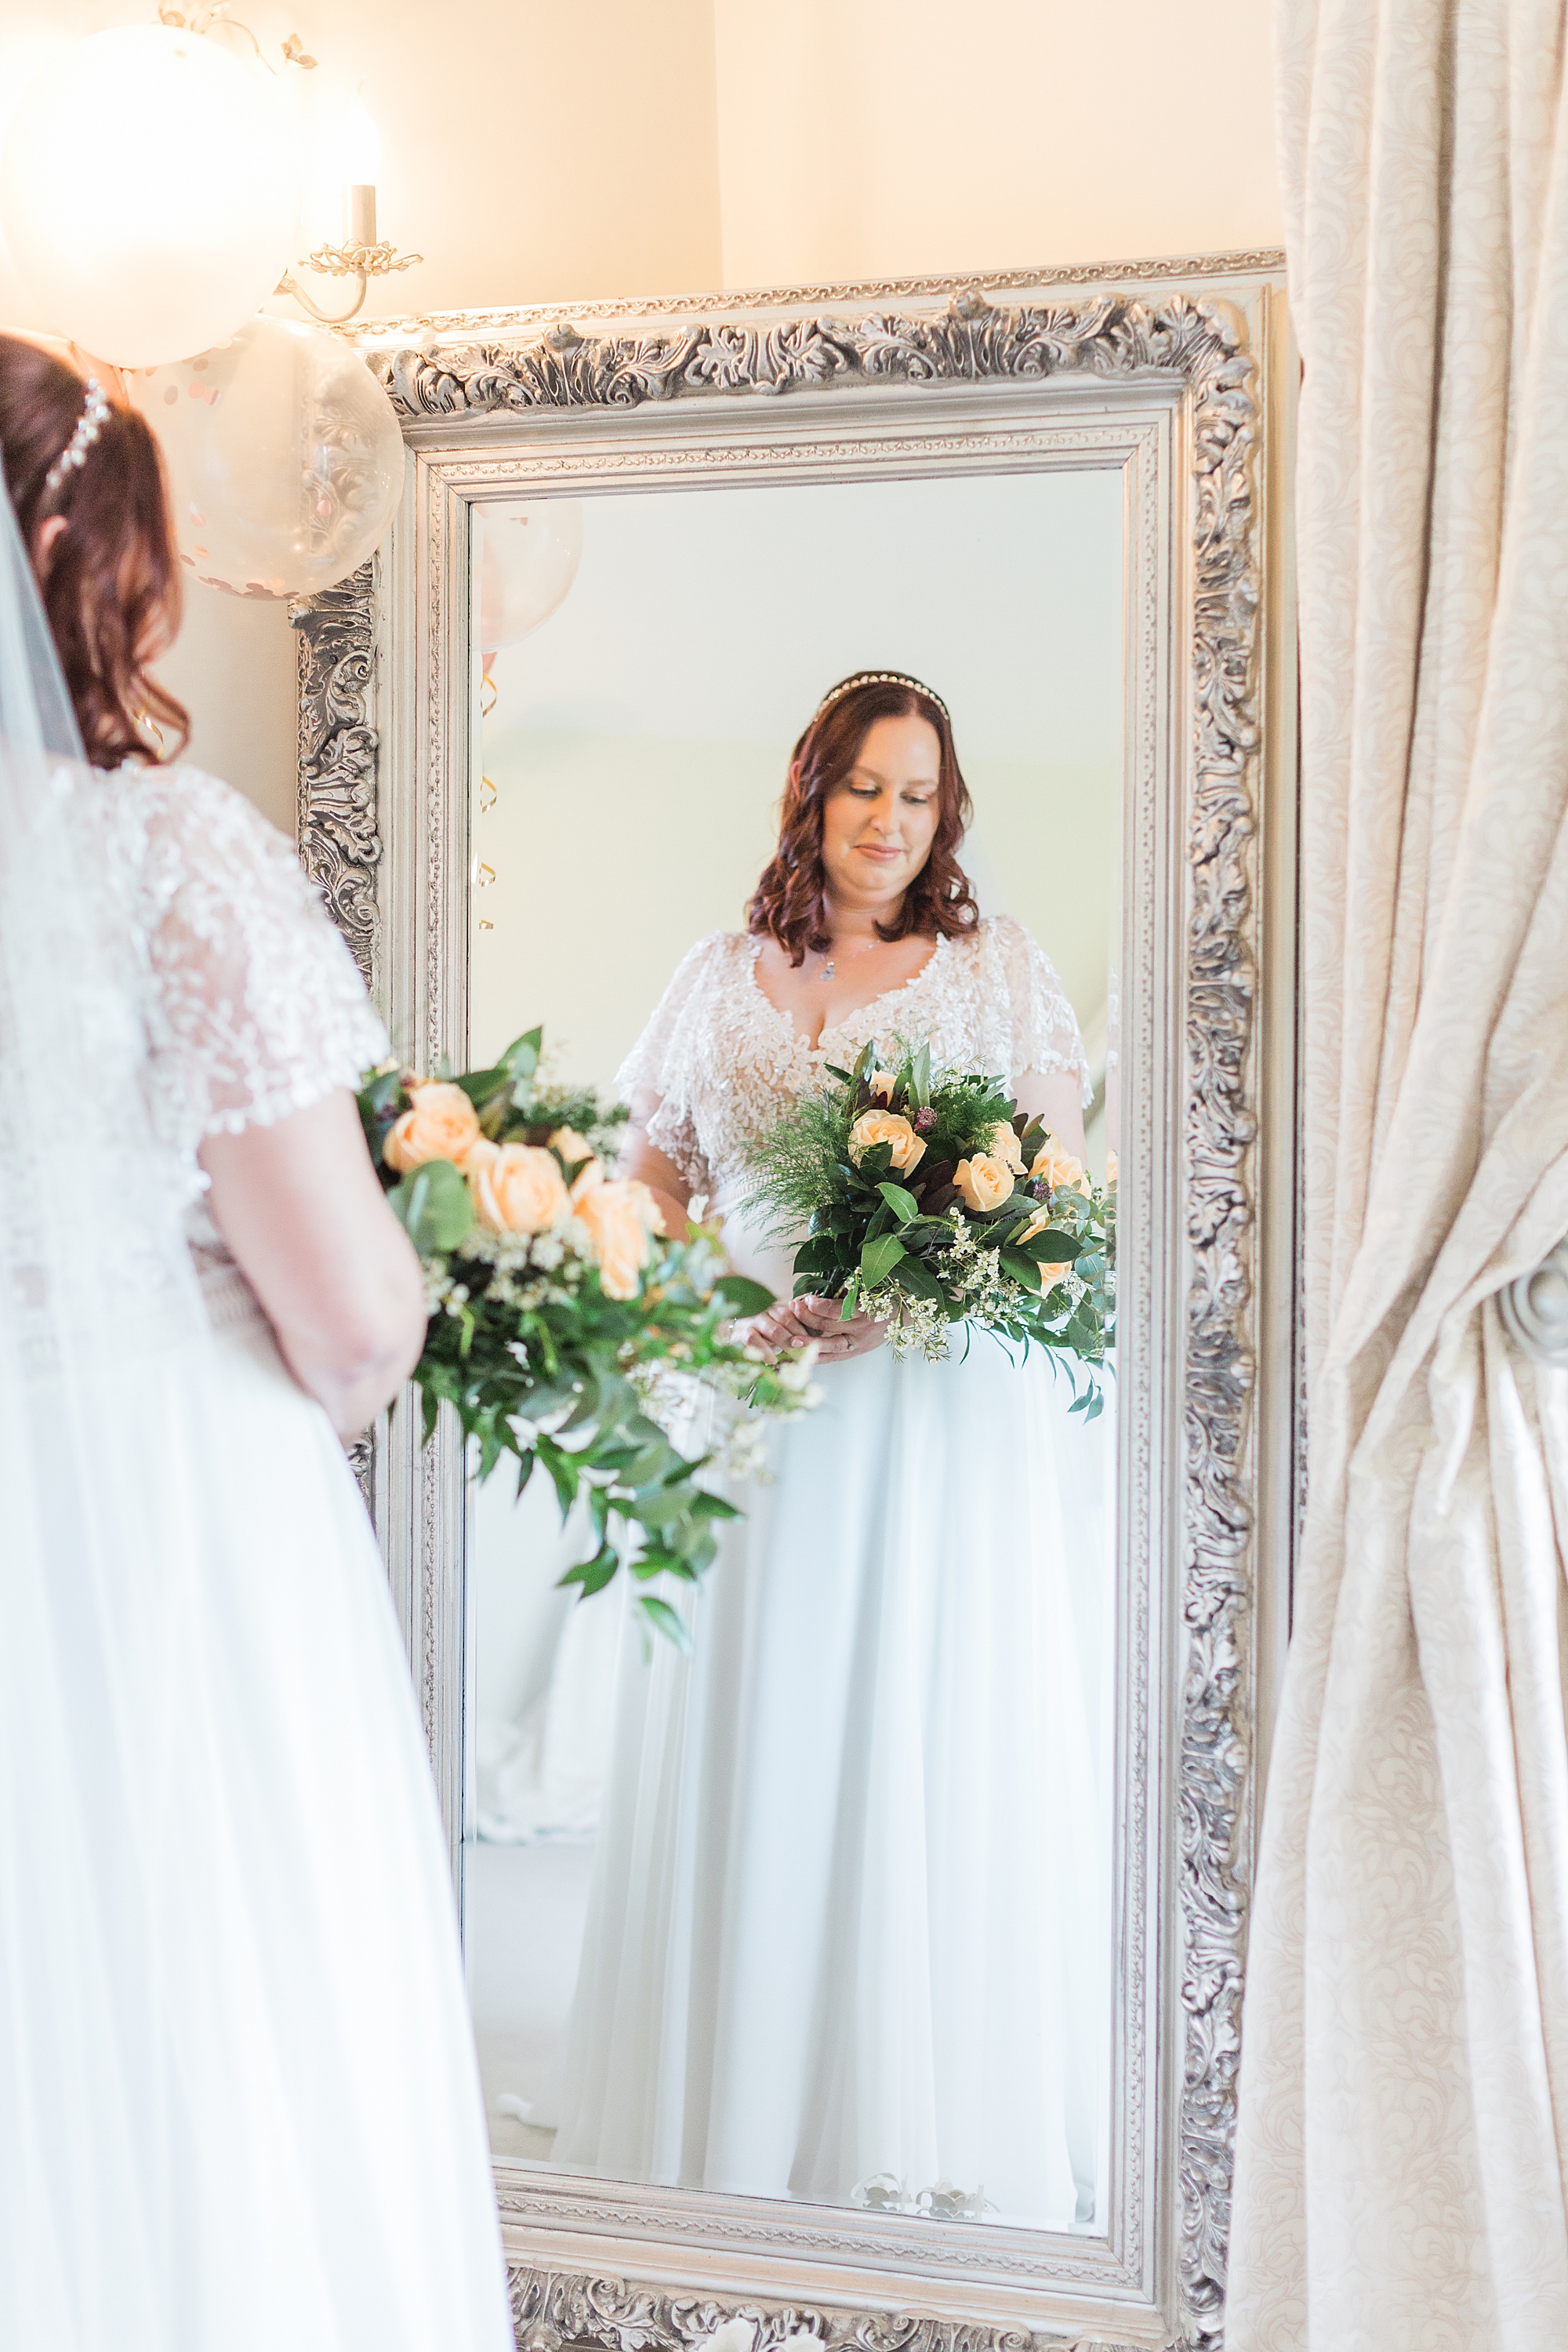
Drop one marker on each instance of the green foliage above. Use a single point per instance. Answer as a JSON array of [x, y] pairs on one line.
[[435, 1204], [546, 1369], [907, 1243]]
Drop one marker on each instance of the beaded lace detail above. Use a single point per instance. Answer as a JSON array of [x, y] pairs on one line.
[[720, 1057], [253, 1005]]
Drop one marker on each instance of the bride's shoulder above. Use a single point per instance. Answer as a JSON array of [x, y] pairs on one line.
[[183, 815], [203, 862], [713, 956], [1001, 939]]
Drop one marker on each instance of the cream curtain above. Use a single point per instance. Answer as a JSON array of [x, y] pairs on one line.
[[1403, 2146]]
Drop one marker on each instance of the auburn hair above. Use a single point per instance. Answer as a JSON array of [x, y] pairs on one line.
[[111, 581], [789, 902]]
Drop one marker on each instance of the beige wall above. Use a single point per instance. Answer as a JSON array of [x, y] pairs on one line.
[[540, 151], [859, 138]]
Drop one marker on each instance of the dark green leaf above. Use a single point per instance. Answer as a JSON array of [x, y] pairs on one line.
[[664, 1620], [713, 1506], [1052, 1248], [564, 1470], [593, 1574], [878, 1259], [904, 1205], [481, 1085], [911, 1274]]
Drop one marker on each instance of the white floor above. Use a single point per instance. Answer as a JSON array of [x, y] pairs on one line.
[[524, 1907]]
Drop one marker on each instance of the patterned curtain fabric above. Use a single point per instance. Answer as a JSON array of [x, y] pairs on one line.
[[1403, 2122]]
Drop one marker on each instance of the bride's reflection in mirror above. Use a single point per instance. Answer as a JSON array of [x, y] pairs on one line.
[[819, 1907]]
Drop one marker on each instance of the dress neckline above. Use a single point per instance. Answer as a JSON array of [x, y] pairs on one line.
[[833, 1028]]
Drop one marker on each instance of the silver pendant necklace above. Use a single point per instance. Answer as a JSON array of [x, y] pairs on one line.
[[830, 968]]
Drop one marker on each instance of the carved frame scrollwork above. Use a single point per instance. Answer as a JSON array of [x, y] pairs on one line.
[[337, 814], [466, 391]]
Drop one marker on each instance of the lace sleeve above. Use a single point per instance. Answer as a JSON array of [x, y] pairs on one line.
[[1045, 1030], [257, 1006], [660, 1062]]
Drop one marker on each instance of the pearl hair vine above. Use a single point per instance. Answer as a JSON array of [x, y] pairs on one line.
[[883, 677], [89, 424]]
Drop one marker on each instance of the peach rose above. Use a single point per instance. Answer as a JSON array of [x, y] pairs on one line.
[[442, 1125], [983, 1181], [570, 1146], [621, 1215], [586, 1179], [874, 1127], [1056, 1166], [1112, 1169], [1047, 1275], [881, 1083], [1005, 1145], [517, 1187]]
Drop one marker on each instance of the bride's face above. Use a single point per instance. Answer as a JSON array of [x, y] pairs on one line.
[[878, 827]]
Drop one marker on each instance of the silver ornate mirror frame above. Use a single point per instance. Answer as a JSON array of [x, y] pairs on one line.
[[1177, 372]]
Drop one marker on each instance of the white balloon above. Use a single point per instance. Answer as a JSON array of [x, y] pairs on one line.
[[150, 193], [528, 559], [284, 457]]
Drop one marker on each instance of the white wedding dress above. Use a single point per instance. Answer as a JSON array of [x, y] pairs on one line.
[[238, 2103], [846, 1939]]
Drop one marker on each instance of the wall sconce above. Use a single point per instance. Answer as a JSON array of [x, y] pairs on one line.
[[357, 144]]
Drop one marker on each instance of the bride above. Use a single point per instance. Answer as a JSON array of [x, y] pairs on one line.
[[238, 2104], [845, 1939]]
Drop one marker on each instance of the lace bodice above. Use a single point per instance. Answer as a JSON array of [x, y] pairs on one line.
[[721, 1057], [253, 1005]]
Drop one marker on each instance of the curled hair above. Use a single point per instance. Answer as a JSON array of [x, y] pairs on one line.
[[789, 902], [112, 582]]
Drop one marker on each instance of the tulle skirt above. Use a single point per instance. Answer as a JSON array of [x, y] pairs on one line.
[[848, 1935], [238, 2104]]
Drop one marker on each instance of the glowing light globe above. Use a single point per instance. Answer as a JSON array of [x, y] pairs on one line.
[[529, 556], [149, 190], [283, 453]]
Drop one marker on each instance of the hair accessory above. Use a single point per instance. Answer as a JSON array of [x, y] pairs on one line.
[[882, 678], [89, 424]]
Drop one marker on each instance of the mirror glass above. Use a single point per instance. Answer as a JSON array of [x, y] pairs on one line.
[[822, 1911]]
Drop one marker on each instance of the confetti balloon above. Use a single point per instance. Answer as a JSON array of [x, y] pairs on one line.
[[284, 457], [529, 556], [150, 188]]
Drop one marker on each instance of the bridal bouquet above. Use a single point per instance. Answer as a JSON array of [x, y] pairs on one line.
[[928, 1199], [558, 1313]]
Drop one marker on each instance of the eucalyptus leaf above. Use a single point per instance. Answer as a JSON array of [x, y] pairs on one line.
[[741, 1296], [521, 1056], [434, 1206]]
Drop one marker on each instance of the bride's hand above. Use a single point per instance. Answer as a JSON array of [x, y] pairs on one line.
[[797, 1321]]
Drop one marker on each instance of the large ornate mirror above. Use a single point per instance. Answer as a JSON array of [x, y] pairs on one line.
[[875, 1961]]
